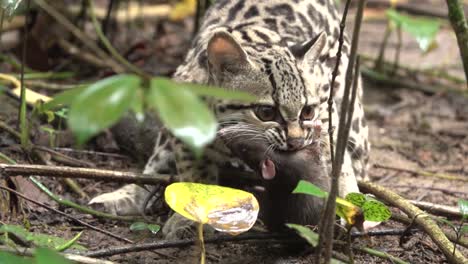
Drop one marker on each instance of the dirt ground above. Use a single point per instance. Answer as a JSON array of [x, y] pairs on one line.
[[409, 129]]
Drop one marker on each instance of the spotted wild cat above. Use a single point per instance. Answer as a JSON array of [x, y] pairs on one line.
[[281, 51]]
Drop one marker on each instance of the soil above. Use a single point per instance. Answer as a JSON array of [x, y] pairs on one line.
[[409, 129]]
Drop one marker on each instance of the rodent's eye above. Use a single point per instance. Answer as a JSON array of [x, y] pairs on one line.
[[307, 113], [265, 113]]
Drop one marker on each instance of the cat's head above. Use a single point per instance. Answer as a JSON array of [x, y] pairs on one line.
[[286, 82]]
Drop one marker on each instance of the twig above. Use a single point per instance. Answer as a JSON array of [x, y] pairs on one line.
[[75, 258], [423, 173], [179, 243], [110, 48], [438, 209], [83, 173], [53, 86], [326, 229], [380, 254], [384, 79], [444, 190], [66, 215], [91, 152], [451, 236], [84, 55], [419, 9], [429, 71], [77, 33], [460, 26], [421, 218], [9, 129], [64, 159]]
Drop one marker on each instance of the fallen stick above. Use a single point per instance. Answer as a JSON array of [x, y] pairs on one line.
[[83, 173], [420, 217], [424, 173]]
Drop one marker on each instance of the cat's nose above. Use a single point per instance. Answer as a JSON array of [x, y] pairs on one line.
[[295, 143]]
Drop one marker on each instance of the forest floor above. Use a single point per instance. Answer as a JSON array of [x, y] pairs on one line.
[[409, 130]]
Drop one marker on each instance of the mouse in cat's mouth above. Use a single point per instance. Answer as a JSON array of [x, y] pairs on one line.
[[280, 173]]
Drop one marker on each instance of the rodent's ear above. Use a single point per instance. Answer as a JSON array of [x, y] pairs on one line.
[[225, 54], [309, 51]]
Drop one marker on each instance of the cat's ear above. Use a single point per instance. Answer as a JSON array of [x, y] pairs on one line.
[[225, 54], [310, 51]]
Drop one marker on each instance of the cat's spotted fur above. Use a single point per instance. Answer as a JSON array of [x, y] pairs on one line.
[[283, 52]]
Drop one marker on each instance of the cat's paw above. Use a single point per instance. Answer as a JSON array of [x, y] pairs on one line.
[[127, 200], [178, 227]]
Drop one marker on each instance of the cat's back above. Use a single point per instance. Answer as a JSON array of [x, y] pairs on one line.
[[292, 20]]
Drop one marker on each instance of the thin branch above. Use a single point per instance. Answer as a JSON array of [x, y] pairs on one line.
[[325, 226], [66, 215], [421, 218], [77, 33], [460, 26], [333, 80], [110, 48]]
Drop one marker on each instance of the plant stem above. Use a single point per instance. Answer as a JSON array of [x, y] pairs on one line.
[[23, 122], [460, 26], [202, 243], [6, 158], [381, 254], [326, 226], [110, 48]]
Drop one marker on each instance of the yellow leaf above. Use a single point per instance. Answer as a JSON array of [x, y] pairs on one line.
[[183, 9], [350, 212], [226, 209]]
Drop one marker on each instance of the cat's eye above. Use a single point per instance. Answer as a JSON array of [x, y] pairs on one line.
[[265, 113], [307, 113]]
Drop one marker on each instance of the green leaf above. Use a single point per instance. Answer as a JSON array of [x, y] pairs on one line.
[[142, 226], [138, 226], [47, 256], [138, 106], [463, 207], [101, 104], [376, 211], [183, 113], [423, 30], [357, 199], [310, 236], [64, 98], [6, 258], [62, 113], [41, 240], [306, 187], [154, 228]]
